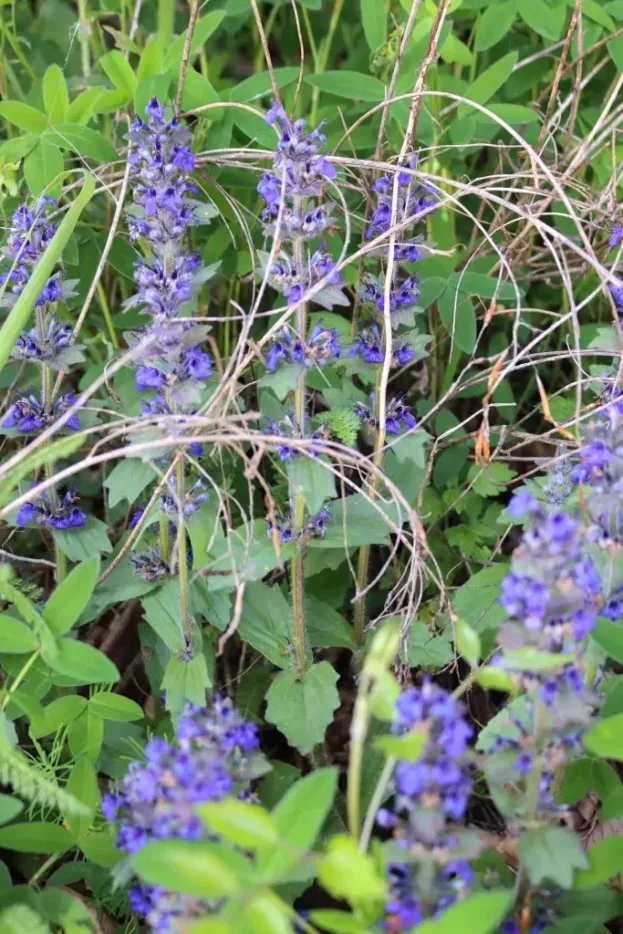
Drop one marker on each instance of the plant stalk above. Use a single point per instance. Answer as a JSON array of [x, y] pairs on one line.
[[296, 569], [182, 556]]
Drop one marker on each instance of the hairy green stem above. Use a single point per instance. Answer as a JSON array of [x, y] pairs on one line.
[[182, 555], [83, 38]]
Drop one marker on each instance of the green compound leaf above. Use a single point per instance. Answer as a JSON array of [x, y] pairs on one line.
[[303, 709]]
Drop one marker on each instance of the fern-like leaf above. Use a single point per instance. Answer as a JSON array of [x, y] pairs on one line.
[[30, 783], [343, 424]]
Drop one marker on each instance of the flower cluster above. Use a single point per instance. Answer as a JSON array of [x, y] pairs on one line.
[[370, 347], [29, 235], [322, 347], [29, 415], [294, 210], [58, 513], [551, 596], [413, 201], [431, 795], [398, 415], [214, 754], [315, 528], [288, 429], [170, 359]]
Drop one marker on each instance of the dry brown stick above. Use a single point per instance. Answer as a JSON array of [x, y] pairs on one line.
[[267, 55], [421, 79], [562, 62], [192, 22], [406, 35], [299, 33]]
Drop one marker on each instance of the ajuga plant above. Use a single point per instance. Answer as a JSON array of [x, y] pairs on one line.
[[311, 467]]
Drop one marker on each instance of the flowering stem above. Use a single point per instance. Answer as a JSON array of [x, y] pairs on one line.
[[296, 570], [182, 554]]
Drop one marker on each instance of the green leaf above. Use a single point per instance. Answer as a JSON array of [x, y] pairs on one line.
[[82, 784], [111, 706], [67, 602], [242, 823], [468, 642], [204, 28], [530, 659], [35, 837], [162, 611], [116, 67], [127, 480], [349, 84], [9, 808], [24, 116], [16, 638], [303, 709], [609, 636], [282, 381], [20, 313], [100, 848], [346, 872], [43, 166], [427, 649], [459, 318], [266, 623], [84, 663], [55, 95], [197, 91], [152, 86], [260, 84], [374, 22], [12, 150], [606, 738], [325, 626], [299, 817], [495, 22], [313, 478], [86, 735], [552, 854], [605, 860], [186, 680], [478, 914], [84, 105], [202, 869], [476, 601], [488, 82], [337, 922], [492, 679], [410, 447], [358, 522], [409, 747], [151, 63], [81, 139], [594, 10], [82, 544], [57, 714], [547, 21], [615, 50], [490, 480]]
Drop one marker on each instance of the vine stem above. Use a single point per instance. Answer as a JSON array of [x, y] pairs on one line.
[[182, 554], [296, 568]]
